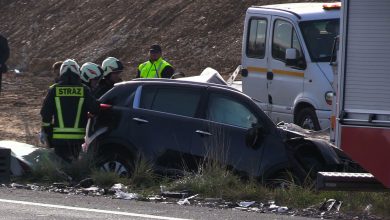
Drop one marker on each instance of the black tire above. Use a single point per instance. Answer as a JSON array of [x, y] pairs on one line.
[[118, 162], [282, 179], [307, 119], [311, 163]]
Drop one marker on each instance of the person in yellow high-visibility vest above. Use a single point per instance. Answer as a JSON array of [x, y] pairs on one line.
[[65, 112], [156, 66]]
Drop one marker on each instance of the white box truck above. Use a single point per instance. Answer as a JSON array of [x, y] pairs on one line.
[[286, 52], [363, 95]]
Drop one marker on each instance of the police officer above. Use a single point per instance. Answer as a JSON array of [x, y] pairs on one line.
[[112, 68], [4, 55], [64, 112], [156, 66]]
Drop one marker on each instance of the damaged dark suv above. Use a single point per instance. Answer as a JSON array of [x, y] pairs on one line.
[[178, 124]]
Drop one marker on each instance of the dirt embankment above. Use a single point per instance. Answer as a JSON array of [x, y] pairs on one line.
[[193, 34]]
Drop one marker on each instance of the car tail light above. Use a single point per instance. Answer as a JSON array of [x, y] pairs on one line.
[[105, 106]]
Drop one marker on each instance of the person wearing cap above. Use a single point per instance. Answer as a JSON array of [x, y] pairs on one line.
[[112, 69], [156, 66], [65, 112]]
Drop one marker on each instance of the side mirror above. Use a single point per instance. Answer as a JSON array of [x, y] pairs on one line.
[[291, 57], [254, 136]]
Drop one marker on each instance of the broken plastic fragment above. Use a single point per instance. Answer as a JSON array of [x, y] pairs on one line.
[[246, 204], [282, 209], [119, 186], [122, 195], [183, 202]]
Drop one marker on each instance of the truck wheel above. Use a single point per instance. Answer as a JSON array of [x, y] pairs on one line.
[[116, 162], [307, 119]]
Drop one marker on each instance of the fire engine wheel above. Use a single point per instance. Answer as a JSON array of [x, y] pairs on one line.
[[307, 119], [115, 162]]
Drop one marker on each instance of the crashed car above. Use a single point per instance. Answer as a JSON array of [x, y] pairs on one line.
[[177, 124]]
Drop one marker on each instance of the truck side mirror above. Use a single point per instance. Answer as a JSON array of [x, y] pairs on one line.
[[291, 57]]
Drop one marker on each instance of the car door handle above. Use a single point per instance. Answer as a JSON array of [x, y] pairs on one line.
[[203, 133], [140, 120], [270, 75]]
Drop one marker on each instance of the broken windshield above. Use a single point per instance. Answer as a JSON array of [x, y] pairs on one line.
[[319, 36]]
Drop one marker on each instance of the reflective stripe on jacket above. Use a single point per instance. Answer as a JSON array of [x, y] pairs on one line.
[[152, 70], [63, 131]]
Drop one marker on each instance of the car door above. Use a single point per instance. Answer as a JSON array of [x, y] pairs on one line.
[[254, 58], [221, 137], [285, 83], [161, 124]]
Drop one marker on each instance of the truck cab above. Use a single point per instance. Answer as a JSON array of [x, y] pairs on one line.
[[286, 53]]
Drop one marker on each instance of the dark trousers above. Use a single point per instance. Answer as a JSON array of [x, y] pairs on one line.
[[68, 150]]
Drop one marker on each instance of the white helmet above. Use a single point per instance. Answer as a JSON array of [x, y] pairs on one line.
[[111, 64], [90, 71], [70, 65]]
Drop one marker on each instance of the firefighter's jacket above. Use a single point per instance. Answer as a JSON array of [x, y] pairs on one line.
[[65, 111]]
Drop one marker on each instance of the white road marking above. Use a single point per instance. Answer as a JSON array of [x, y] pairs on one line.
[[90, 210]]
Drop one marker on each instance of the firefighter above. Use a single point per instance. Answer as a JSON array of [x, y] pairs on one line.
[[90, 74], [64, 112], [112, 68], [156, 66]]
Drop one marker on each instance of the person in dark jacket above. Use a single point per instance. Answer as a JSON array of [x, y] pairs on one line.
[[4, 55], [112, 68], [65, 112], [156, 66]]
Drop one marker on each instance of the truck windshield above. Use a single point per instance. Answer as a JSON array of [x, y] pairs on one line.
[[319, 37]]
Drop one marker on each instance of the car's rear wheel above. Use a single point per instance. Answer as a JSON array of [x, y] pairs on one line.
[[117, 162], [307, 119]]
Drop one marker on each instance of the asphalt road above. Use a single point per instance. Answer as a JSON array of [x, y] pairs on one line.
[[27, 204]]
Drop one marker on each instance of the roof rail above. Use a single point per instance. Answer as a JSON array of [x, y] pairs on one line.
[[280, 9]]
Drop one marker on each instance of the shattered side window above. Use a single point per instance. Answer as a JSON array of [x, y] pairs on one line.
[[226, 110]]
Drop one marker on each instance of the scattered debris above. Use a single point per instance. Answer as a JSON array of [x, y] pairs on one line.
[[331, 204], [282, 209], [119, 194], [329, 209], [183, 202], [119, 186], [156, 198], [85, 183], [368, 209], [246, 204], [186, 201]]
